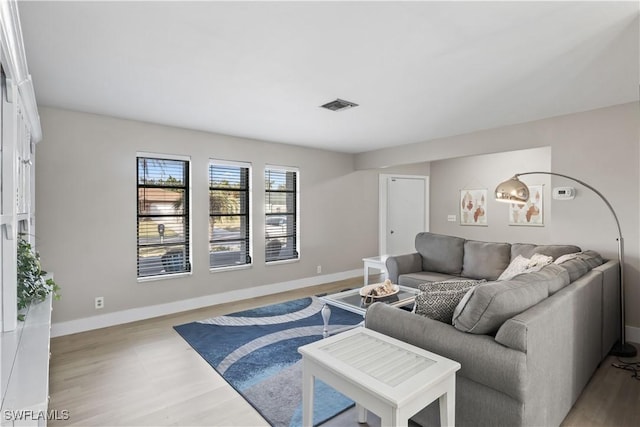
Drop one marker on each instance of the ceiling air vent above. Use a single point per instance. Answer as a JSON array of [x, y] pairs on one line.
[[339, 105]]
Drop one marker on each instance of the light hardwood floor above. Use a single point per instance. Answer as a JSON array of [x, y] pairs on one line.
[[144, 373]]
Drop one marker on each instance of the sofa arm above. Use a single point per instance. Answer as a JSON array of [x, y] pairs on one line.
[[402, 264], [513, 334]]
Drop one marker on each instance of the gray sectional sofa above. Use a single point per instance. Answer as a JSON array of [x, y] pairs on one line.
[[527, 345]]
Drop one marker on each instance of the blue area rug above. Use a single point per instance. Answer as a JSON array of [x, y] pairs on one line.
[[256, 351]]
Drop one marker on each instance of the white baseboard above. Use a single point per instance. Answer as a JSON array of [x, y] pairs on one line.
[[134, 314], [632, 334]]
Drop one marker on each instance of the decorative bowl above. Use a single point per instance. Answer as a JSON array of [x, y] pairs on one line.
[[364, 291]]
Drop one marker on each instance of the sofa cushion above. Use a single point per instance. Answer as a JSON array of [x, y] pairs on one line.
[[527, 250], [437, 300], [492, 303], [440, 253], [576, 267], [580, 263], [592, 258], [553, 275], [414, 279], [485, 260]]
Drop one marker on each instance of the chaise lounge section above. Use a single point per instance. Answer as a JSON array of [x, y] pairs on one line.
[[524, 368]]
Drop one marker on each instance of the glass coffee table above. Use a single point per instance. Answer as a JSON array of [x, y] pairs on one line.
[[352, 301]]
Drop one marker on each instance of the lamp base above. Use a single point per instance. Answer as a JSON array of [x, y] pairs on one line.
[[623, 350]]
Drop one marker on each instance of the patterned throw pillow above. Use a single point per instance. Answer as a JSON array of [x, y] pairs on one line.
[[438, 300]]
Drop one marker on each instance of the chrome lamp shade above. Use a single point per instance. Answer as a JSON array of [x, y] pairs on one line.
[[512, 191]]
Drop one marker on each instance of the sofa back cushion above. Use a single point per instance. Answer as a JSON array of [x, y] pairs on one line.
[[553, 275], [440, 253], [485, 260], [493, 303], [576, 268], [593, 258], [527, 250], [580, 263]]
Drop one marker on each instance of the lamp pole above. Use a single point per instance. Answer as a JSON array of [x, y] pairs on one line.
[[621, 348]]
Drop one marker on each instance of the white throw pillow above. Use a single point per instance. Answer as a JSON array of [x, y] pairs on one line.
[[517, 266], [521, 265], [539, 260]]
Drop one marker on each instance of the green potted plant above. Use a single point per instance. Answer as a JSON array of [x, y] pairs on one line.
[[33, 285]]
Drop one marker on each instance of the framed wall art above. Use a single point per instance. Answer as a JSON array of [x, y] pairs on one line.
[[473, 207], [531, 213]]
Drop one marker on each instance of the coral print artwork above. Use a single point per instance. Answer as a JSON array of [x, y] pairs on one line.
[[531, 212], [473, 207]]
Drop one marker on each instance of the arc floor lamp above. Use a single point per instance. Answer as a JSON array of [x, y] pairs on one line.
[[515, 191]]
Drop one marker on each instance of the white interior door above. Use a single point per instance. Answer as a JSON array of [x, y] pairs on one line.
[[406, 213]]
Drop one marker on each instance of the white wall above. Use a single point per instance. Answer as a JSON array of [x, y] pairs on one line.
[[86, 198], [86, 201], [448, 177], [600, 147]]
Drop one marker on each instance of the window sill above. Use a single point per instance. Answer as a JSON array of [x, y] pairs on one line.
[[163, 277], [230, 268], [284, 261]]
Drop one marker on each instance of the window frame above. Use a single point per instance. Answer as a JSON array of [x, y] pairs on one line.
[[296, 193], [249, 214], [187, 216]]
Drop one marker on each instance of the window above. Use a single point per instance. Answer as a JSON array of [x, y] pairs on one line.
[[229, 209], [163, 216], [281, 214]]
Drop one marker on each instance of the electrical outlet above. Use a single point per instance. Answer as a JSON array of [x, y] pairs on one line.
[[99, 303], [319, 269]]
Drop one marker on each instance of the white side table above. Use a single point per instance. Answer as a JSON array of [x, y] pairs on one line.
[[377, 263], [389, 377]]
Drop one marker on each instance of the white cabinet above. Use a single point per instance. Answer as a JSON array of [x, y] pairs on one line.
[[24, 346], [25, 369]]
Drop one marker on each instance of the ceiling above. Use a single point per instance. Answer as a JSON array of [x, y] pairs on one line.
[[418, 70]]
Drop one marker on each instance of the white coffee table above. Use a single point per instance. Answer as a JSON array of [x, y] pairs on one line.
[[391, 378]]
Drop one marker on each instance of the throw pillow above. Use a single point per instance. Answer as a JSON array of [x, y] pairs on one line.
[[438, 300], [517, 266], [522, 265], [540, 260]]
